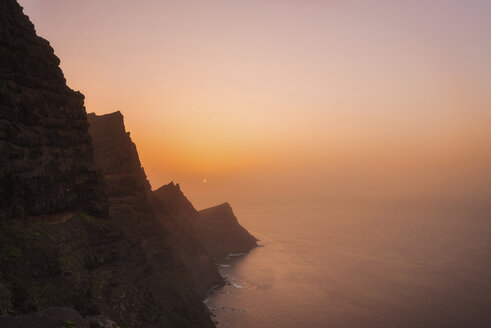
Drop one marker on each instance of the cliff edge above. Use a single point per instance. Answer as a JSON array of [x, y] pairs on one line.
[[46, 163], [216, 228], [129, 192], [62, 255]]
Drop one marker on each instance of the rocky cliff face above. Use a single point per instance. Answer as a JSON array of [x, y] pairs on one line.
[[46, 163], [129, 196], [116, 156], [129, 191], [216, 228], [175, 212], [122, 265], [77, 253], [222, 233]]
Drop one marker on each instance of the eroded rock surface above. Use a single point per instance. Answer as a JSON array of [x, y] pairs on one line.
[[168, 283], [216, 228], [46, 163], [121, 266], [222, 233], [57, 317], [175, 213], [129, 192]]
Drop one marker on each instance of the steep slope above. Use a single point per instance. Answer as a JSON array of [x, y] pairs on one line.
[[121, 265], [222, 232], [46, 163], [174, 201], [167, 281], [129, 192], [190, 252], [116, 156], [216, 228]]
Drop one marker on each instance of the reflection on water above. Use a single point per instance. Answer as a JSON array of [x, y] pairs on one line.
[[360, 269]]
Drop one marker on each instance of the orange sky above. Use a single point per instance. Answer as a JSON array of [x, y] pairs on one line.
[[275, 100]]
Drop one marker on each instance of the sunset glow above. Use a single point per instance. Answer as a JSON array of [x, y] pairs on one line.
[[246, 92], [245, 164]]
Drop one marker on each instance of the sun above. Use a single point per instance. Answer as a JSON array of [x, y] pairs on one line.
[[205, 180]]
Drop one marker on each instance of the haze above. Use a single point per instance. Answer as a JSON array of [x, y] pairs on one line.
[[291, 103]]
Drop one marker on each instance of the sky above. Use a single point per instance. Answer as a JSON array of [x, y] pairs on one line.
[[289, 102]]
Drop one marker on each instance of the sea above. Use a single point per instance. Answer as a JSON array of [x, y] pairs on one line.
[[359, 268]]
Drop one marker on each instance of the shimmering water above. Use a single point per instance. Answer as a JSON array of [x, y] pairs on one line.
[[366, 268]]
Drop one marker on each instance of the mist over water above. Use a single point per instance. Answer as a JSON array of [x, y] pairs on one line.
[[394, 237], [360, 267]]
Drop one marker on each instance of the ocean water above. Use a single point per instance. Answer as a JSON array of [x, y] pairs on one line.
[[360, 269]]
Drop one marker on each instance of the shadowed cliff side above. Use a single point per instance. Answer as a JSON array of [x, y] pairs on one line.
[[121, 266], [222, 233], [129, 197], [129, 191], [46, 163], [116, 156], [216, 228]]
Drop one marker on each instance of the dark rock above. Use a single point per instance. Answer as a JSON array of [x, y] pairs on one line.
[[190, 251], [57, 317], [100, 321], [5, 303], [46, 163], [222, 233], [153, 265], [117, 157], [216, 228], [122, 266]]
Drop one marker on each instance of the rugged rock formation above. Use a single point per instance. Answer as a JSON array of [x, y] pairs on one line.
[[58, 317], [46, 163], [216, 228], [121, 266], [129, 191], [173, 201], [116, 156], [173, 212], [129, 198], [62, 259], [222, 233]]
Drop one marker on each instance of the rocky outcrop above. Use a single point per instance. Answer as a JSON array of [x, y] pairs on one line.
[[129, 192], [130, 199], [116, 156], [77, 253], [121, 266], [46, 163], [222, 233], [58, 317], [173, 211], [173, 201], [216, 228]]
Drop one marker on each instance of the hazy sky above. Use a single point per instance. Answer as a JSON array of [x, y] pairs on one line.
[[288, 99]]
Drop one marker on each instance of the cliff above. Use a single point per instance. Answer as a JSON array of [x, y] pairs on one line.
[[117, 157], [46, 163], [82, 236], [222, 233], [216, 228], [129, 191], [171, 254], [62, 253]]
